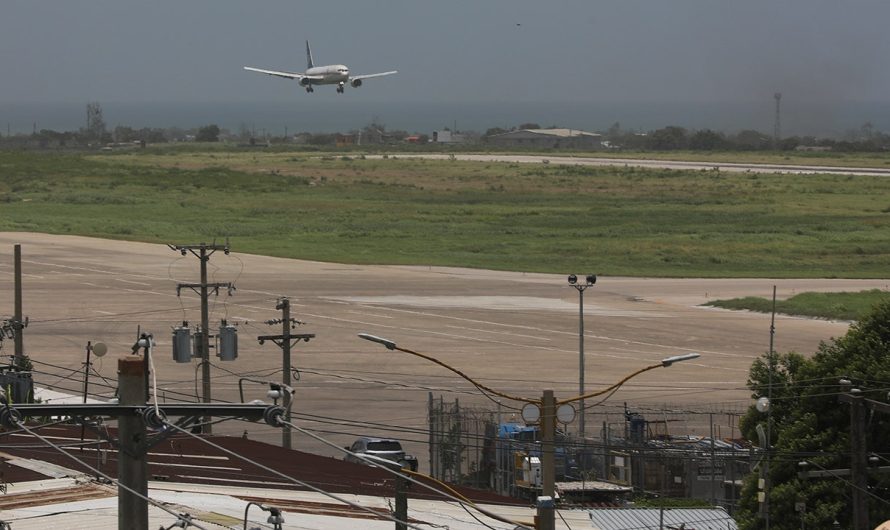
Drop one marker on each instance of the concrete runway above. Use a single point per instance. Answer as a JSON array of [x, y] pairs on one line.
[[515, 332], [656, 164]]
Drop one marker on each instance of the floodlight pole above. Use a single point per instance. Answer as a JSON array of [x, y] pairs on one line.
[[581, 287]]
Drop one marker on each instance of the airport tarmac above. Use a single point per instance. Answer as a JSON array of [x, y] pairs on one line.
[[515, 332]]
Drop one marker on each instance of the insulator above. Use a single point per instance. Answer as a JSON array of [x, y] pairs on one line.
[[154, 419], [274, 416], [10, 417], [228, 342], [182, 345]]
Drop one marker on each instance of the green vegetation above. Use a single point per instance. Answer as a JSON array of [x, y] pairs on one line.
[[811, 425], [837, 306], [555, 218]]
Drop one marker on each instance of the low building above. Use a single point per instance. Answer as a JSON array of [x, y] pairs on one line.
[[446, 136], [548, 139]]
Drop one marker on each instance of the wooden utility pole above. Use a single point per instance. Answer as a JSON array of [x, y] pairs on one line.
[[18, 324], [284, 342], [401, 511], [203, 253], [133, 440], [546, 513], [132, 466]]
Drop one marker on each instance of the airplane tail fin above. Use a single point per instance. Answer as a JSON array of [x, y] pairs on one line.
[[309, 63]]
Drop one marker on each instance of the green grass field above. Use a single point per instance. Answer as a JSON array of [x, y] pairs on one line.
[[837, 306], [552, 218]]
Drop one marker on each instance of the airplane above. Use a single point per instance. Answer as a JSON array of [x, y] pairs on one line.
[[334, 74]]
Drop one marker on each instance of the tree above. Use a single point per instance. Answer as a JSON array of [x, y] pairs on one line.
[[669, 138], [208, 133], [809, 424], [495, 131], [707, 140], [529, 125], [750, 140]]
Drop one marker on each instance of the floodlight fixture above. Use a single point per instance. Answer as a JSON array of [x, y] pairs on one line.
[[573, 279], [679, 358], [390, 345], [591, 279]]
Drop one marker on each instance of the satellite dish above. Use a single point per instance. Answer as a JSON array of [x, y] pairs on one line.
[[565, 413], [99, 349], [531, 413]]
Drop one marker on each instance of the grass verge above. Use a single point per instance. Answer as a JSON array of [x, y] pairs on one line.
[[835, 306], [524, 217]]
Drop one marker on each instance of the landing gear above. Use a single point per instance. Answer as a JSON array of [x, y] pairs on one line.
[[310, 89], [340, 88]]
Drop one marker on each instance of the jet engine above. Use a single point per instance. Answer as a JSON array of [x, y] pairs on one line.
[[356, 83], [305, 81]]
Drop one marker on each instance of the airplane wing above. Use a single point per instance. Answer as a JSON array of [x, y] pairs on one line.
[[289, 75], [368, 76]]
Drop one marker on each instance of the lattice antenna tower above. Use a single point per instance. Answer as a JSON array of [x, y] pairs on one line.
[[777, 131]]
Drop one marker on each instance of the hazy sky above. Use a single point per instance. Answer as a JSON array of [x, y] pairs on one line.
[[447, 51]]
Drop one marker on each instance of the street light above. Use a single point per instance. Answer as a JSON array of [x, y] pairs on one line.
[[581, 287], [275, 517], [547, 407]]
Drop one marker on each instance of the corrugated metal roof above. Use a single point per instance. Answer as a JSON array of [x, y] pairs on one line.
[[559, 133], [648, 518], [215, 507]]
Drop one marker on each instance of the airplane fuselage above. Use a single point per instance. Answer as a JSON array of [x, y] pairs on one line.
[[331, 74]]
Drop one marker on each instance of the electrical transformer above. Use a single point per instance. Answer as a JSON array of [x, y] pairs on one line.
[[182, 345], [228, 342]]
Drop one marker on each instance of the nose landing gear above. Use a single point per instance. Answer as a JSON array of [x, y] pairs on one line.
[[340, 88]]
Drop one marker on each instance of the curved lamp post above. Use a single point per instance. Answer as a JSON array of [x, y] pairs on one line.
[[547, 407], [275, 517]]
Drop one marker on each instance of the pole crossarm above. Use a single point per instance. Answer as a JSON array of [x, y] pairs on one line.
[[196, 287], [870, 403], [205, 249], [279, 339]]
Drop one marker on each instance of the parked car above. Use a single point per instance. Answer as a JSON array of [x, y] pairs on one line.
[[380, 448]]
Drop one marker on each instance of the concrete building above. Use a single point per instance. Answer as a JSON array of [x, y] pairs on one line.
[[548, 139]]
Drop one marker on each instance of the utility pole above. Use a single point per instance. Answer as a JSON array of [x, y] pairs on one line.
[[858, 457], [545, 517], [18, 323], [203, 252], [284, 342], [132, 466], [767, 482], [134, 440]]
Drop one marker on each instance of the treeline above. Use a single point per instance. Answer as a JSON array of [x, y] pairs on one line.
[[674, 138], [678, 138]]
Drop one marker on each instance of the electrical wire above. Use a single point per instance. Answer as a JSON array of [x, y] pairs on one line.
[[451, 493], [149, 500], [289, 478]]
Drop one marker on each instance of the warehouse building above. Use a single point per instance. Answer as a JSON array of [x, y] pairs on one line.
[[548, 138]]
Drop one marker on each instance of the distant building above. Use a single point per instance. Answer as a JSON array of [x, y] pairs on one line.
[[446, 136], [548, 138]]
